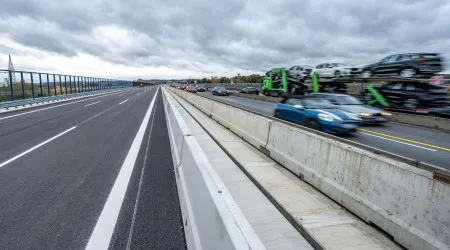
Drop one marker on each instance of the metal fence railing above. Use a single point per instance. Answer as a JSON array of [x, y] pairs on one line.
[[38, 84]]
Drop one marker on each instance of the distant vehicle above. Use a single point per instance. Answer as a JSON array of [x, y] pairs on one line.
[[220, 91], [411, 95], [142, 85], [300, 72], [249, 90], [191, 89], [405, 65], [333, 70], [316, 113], [201, 88], [182, 86], [367, 113]]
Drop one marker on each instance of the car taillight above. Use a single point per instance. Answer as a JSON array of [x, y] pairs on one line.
[[423, 60]]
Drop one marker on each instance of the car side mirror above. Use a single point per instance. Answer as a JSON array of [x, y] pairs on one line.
[[298, 106]]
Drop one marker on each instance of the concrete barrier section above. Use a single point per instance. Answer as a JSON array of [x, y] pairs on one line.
[[211, 218], [401, 199]]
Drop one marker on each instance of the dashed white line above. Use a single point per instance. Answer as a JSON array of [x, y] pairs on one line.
[[92, 104], [104, 228], [37, 146], [123, 101], [409, 144]]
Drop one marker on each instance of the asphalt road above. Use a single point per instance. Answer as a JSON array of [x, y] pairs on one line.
[[423, 144], [95, 172]]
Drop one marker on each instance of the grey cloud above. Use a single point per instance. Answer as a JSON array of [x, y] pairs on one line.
[[200, 35]]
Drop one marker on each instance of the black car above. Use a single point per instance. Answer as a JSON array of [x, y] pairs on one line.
[[443, 112], [411, 95], [405, 65], [249, 90], [220, 91], [201, 88]]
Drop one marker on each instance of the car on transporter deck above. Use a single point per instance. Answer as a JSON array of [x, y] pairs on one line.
[[317, 113]]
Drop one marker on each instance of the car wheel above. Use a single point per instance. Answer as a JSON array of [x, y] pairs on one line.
[[409, 72], [265, 93], [410, 103], [277, 114], [337, 74], [311, 123], [366, 74]]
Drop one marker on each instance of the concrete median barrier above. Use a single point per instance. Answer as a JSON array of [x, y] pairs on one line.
[[422, 120], [211, 218], [403, 200]]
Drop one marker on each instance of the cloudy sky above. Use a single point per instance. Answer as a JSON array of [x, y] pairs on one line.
[[201, 38]]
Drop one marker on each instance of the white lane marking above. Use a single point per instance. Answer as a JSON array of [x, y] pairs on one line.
[[37, 146], [139, 94], [29, 112], [104, 228], [136, 202], [87, 105], [124, 101], [409, 144]]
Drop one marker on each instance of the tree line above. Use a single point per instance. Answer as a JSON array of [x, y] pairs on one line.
[[253, 78]]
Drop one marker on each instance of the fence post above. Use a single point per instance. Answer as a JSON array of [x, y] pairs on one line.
[[78, 80], [60, 85], [11, 85], [54, 83], [23, 86], [40, 83], [70, 84], [32, 85], [48, 83]]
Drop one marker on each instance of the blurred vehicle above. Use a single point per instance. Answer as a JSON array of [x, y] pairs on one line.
[[443, 112], [316, 113], [333, 70], [412, 95], [191, 89], [220, 91], [201, 88], [299, 72], [142, 85], [249, 90], [367, 113], [405, 65], [182, 86]]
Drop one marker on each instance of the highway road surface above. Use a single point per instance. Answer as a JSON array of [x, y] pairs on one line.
[[93, 173], [423, 144]]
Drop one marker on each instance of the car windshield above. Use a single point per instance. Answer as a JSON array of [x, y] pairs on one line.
[[317, 103], [339, 65], [348, 100]]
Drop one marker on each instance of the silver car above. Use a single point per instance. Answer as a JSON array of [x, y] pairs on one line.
[[367, 113]]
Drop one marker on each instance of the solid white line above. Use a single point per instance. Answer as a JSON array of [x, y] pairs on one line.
[[104, 228], [37, 146], [409, 144], [136, 202], [92, 104], [124, 101], [83, 100]]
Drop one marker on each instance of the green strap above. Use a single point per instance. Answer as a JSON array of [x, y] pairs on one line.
[[316, 82], [378, 97]]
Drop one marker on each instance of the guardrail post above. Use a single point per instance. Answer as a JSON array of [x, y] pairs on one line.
[[48, 84], [74, 84], [40, 83], [11, 84], [78, 80], [23, 86], [65, 83], [32, 85], [54, 83], [60, 85]]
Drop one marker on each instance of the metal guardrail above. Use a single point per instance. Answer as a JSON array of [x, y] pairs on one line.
[[32, 101], [39, 84], [438, 173]]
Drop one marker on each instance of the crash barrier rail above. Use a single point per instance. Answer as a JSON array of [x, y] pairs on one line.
[[40, 100], [19, 84], [211, 219], [401, 117], [407, 199]]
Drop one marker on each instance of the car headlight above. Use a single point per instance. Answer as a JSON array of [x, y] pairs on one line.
[[326, 117], [365, 114], [386, 114]]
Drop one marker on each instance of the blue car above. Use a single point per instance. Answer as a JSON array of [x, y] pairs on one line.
[[317, 113]]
